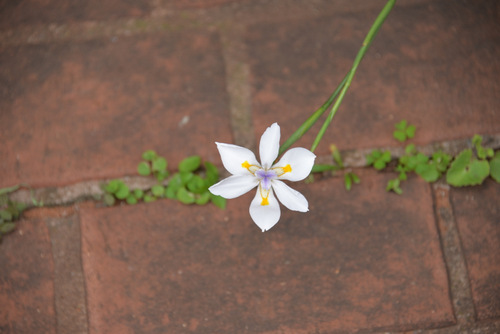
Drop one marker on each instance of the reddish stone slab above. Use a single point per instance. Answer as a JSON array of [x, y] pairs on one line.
[[26, 280], [430, 64], [14, 14], [477, 214], [88, 110], [195, 4], [359, 260]]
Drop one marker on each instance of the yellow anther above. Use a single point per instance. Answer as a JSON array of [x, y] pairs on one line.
[[245, 165], [265, 201], [287, 169]]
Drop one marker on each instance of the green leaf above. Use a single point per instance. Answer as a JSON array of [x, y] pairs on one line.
[[320, 168], [203, 198], [428, 172], [149, 155], [123, 191], [401, 125], [8, 190], [410, 149], [131, 199], [5, 215], [149, 198], [467, 171], [7, 228], [109, 199], [355, 178], [400, 135], [158, 190], [171, 192], [138, 193], [190, 164], [212, 173], [197, 185], [185, 177], [495, 167], [218, 201], [336, 156], [159, 164], [394, 186], [143, 168], [410, 131], [442, 160], [112, 186], [347, 181], [185, 196], [161, 175]]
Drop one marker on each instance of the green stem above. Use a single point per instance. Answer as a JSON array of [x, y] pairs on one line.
[[361, 53], [311, 120]]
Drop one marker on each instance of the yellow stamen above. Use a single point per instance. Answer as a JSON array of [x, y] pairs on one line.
[[287, 169], [265, 201], [282, 170], [245, 165]]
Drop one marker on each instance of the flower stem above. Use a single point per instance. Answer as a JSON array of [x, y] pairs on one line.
[[341, 89], [361, 53]]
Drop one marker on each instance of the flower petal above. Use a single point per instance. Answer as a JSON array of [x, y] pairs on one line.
[[233, 156], [269, 145], [265, 216], [289, 197], [234, 186], [300, 162]]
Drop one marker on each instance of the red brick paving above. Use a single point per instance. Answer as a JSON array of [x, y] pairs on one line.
[[78, 111], [86, 106], [432, 65], [356, 260], [26, 280], [478, 217]]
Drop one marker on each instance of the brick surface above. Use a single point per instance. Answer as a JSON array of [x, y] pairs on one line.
[[478, 217], [195, 4], [15, 14], [26, 280], [88, 110], [359, 260], [433, 65]]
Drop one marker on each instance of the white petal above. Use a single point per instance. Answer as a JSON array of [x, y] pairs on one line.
[[234, 186], [269, 145], [265, 216], [301, 162], [289, 197], [233, 156]]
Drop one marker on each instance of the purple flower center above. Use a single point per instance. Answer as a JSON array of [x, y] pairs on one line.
[[265, 177]]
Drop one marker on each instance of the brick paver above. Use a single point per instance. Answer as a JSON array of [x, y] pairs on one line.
[[88, 110], [478, 217], [31, 12], [433, 65], [356, 260], [26, 280]]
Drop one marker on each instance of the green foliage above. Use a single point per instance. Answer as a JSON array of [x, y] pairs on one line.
[[349, 179], [466, 170], [378, 159], [495, 167], [189, 185], [10, 211], [470, 167], [404, 131]]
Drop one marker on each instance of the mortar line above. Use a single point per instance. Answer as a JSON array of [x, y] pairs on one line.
[[459, 285], [237, 72]]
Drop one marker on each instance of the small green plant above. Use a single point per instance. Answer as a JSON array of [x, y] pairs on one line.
[[349, 176], [379, 159], [189, 185], [469, 167], [404, 131], [10, 211]]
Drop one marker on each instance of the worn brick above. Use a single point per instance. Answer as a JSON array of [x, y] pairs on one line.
[[27, 280], [87, 110], [478, 217], [430, 64], [359, 260]]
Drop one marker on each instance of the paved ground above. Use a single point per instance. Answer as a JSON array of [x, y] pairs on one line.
[[86, 87]]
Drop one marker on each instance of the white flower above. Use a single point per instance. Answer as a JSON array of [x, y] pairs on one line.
[[248, 173]]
